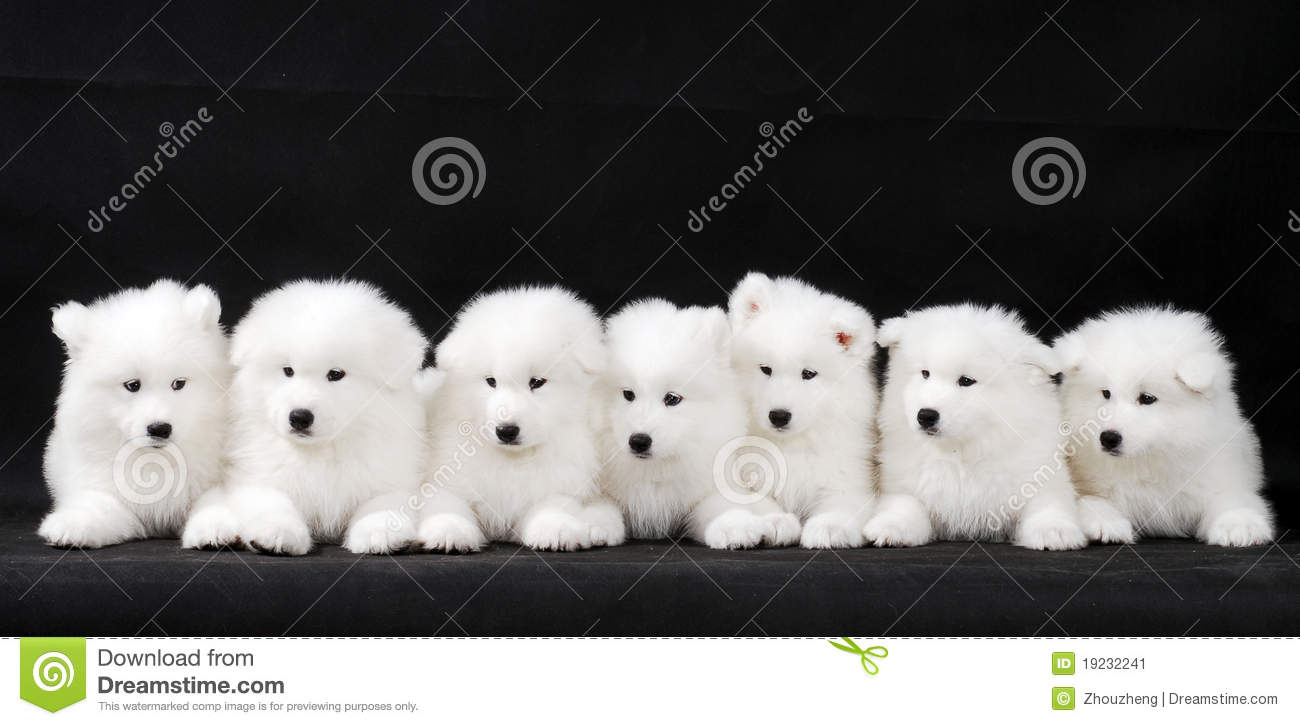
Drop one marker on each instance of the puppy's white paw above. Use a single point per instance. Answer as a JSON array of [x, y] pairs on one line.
[[898, 529], [608, 534], [87, 528], [1239, 528], [450, 533], [785, 529], [378, 533], [738, 529], [277, 534], [1102, 522], [831, 530], [210, 528], [556, 531], [1051, 533]]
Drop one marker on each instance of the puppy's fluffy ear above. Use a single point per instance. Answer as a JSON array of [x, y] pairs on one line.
[[405, 356], [749, 300], [427, 381], [1042, 361], [202, 306], [854, 331], [1199, 372], [70, 322], [714, 330], [589, 351], [1070, 351], [890, 332]]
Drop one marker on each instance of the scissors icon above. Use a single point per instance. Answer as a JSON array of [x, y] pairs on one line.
[[868, 665], [1293, 224]]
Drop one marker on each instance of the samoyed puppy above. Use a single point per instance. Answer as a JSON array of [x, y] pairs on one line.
[[675, 424], [1167, 451], [513, 455], [971, 445], [803, 358], [141, 414], [328, 430]]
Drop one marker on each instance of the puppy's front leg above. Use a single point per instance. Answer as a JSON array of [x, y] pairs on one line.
[[382, 525], [900, 521], [1050, 520], [725, 525], [212, 523], [1236, 519], [555, 524], [448, 524], [1103, 522], [269, 522], [90, 519], [606, 521], [837, 522]]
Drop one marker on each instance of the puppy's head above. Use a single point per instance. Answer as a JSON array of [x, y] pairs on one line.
[[524, 360], [793, 347], [314, 357], [145, 365], [1146, 380], [957, 371], [668, 367]]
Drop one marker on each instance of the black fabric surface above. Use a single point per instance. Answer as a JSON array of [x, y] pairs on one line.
[[1160, 587], [897, 195]]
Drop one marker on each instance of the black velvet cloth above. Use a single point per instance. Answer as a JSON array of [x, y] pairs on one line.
[[1160, 587]]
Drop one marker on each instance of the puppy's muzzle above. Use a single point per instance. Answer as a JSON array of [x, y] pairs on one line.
[[928, 419], [1110, 441], [640, 445]]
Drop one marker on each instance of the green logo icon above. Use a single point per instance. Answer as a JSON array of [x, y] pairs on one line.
[[868, 665], [1063, 664], [1063, 698], [52, 671]]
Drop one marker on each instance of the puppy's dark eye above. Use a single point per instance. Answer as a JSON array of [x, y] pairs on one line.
[[1146, 399], [1105, 393], [335, 374], [672, 399], [288, 372], [925, 374], [132, 385], [536, 383], [808, 375], [767, 370], [179, 383], [492, 382], [629, 395], [965, 381]]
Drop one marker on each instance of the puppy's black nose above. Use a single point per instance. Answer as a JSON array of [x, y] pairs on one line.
[[928, 418], [779, 417], [159, 429], [301, 419], [1111, 439], [507, 433], [639, 443]]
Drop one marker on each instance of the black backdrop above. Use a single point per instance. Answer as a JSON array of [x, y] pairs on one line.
[[636, 114]]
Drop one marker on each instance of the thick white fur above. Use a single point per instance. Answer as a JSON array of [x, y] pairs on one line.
[[656, 349], [1188, 465], [102, 469], [346, 481], [995, 469], [790, 326], [541, 491]]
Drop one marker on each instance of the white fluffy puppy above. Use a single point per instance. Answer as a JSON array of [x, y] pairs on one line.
[[1168, 453], [513, 454], [141, 414], [970, 437], [673, 413], [803, 357], [328, 432]]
